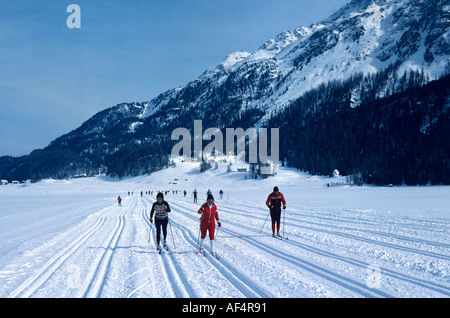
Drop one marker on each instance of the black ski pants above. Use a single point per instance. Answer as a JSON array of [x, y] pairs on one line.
[[275, 216], [161, 223]]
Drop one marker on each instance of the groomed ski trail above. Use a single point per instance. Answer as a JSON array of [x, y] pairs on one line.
[[109, 255]]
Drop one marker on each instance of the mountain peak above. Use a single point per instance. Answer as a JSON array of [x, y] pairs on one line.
[[234, 58], [284, 39], [228, 62]]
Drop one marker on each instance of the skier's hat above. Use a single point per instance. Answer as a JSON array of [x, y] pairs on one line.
[[275, 189], [210, 197], [160, 195]]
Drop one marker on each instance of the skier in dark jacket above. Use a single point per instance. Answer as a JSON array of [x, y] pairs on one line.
[[274, 202], [160, 209], [195, 195]]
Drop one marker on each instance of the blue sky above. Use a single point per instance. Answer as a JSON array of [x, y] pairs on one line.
[[53, 78]]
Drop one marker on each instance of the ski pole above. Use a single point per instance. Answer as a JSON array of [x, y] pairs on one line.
[[264, 223], [217, 233], [171, 232], [149, 232], [198, 239], [284, 224]]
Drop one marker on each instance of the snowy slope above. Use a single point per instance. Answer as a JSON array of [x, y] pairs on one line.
[[70, 239], [364, 36]]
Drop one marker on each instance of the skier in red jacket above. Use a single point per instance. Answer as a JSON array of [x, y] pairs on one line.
[[274, 202], [209, 214]]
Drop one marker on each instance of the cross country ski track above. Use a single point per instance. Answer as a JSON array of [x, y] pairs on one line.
[[325, 253], [359, 287]]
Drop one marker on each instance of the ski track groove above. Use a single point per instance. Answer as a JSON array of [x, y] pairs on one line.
[[173, 273], [361, 288], [423, 283], [162, 265], [173, 270], [94, 285], [237, 279], [29, 287], [346, 282], [140, 287], [321, 216], [368, 240], [430, 285], [357, 237]]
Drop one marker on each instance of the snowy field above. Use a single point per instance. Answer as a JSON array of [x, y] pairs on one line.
[[69, 238]]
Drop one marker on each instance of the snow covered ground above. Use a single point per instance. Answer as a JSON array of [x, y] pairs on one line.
[[68, 238]]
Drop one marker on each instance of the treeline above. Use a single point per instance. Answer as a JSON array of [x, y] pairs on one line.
[[130, 160], [134, 160], [401, 138], [102, 145], [41, 164]]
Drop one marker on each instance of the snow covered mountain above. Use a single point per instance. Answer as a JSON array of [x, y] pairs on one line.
[[363, 38]]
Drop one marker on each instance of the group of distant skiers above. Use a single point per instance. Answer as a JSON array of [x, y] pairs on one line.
[[207, 193], [209, 215]]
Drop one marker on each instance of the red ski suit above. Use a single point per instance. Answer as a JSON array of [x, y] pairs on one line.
[[207, 220]]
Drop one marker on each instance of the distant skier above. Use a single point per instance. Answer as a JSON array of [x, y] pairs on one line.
[[160, 209], [274, 202], [195, 195], [207, 221], [221, 193], [119, 201]]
